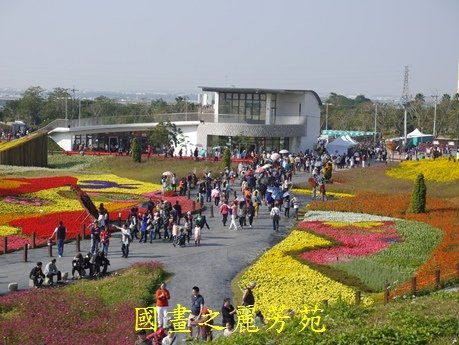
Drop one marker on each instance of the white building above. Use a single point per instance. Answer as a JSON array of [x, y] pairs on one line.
[[263, 119]]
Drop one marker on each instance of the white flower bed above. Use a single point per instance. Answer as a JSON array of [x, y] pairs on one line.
[[333, 216]]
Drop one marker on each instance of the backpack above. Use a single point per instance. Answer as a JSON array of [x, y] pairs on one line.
[[200, 221]]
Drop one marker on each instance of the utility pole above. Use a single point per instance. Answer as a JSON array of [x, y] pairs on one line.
[[435, 97], [326, 115], [79, 112], [73, 97], [376, 116], [405, 101]]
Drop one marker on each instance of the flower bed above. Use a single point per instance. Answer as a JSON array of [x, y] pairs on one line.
[[300, 285], [441, 214], [438, 170], [352, 240], [113, 183], [38, 204], [76, 314], [306, 191], [374, 252]]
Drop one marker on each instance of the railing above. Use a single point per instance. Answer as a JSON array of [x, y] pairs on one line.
[[238, 118], [278, 120], [130, 119], [289, 120], [173, 117]]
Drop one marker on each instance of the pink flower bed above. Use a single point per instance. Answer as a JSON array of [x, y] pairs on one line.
[[352, 241]]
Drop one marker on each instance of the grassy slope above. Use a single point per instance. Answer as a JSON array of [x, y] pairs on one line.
[[431, 319]]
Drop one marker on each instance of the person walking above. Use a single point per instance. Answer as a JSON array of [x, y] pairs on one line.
[[248, 299], [188, 225], [228, 312], [224, 211], [95, 237], [296, 206], [286, 202], [233, 212], [197, 306], [199, 222], [250, 213], [60, 233], [125, 239], [275, 216], [105, 239], [162, 303]]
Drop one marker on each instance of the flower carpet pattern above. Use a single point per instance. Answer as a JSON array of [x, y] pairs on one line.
[[36, 205], [441, 214], [353, 240], [300, 284], [372, 249], [438, 170]]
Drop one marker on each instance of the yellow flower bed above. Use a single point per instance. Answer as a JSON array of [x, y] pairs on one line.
[[439, 170], [10, 184], [6, 230], [306, 191], [365, 225], [57, 203], [283, 280], [126, 185]]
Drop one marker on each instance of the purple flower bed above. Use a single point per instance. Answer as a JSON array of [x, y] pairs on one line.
[[98, 184]]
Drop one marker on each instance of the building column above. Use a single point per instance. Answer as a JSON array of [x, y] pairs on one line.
[[268, 109]]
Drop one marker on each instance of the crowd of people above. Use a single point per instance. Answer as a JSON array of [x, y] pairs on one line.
[[200, 323]]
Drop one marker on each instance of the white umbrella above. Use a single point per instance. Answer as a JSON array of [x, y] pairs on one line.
[[168, 173], [283, 151], [266, 166], [275, 156]]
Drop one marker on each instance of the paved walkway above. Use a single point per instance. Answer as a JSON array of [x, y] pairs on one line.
[[211, 266]]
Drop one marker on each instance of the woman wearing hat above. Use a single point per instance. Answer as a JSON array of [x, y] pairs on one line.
[[248, 299]]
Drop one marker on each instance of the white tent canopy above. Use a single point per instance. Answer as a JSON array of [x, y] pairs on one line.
[[349, 139], [340, 145], [417, 134]]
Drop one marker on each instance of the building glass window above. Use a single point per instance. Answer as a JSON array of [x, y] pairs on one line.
[[248, 107]]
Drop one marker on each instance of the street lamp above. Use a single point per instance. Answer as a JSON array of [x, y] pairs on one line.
[[326, 115], [376, 115]]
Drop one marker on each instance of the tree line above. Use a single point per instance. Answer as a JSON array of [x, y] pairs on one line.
[[37, 107], [359, 114]]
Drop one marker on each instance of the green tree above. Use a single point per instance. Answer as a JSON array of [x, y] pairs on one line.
[[418, 195], [55, 104], [226, 158], [31, 105], [136, 151], [166, 134]]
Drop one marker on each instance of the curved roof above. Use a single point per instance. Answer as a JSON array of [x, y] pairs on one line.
[[259, 90]]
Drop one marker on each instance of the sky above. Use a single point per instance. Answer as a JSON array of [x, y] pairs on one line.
[[347, 47]]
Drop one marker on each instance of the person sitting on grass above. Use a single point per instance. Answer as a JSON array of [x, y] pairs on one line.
[[51, 271], [101, 261], [36, 274], [77, 266]]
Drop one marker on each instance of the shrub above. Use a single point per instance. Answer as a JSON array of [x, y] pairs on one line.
[[226, 159], [328, 171], [136, 151], [418, 196]]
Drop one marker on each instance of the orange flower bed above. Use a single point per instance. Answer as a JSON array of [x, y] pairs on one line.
[[440, 214]]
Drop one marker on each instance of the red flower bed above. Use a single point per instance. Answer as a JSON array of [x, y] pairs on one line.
[[440, 213], [44, 225], [353, 241], [31, 185]]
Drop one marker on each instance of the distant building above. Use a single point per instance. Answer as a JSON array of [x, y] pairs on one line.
[[269, 119], [255, 119]]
